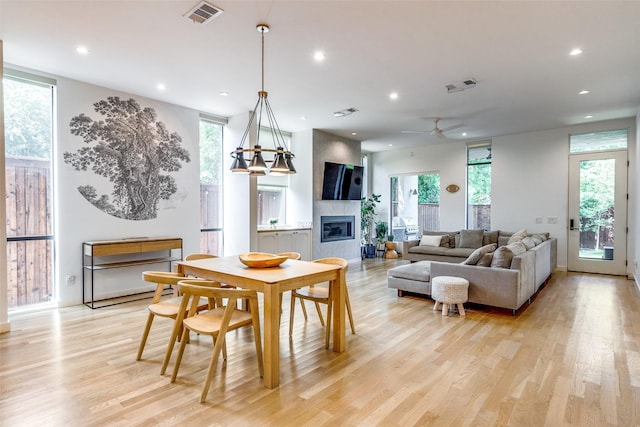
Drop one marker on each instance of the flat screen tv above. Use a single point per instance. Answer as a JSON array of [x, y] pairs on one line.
[[342, 182]]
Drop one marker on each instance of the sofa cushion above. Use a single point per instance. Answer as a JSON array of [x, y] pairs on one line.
[[537, 239], [428, 240], [459, 252], [503, 256], [470, 239], [419, 271], [518, 235], [528, 242], [429, 250], [490, 237], [479, 253], [485, 261]]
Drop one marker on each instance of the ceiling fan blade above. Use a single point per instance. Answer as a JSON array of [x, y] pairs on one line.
[[452, 127], [414, 131]]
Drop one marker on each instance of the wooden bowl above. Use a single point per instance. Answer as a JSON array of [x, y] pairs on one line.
[[261, 259]]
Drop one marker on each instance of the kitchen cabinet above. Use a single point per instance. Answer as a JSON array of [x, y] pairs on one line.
[[294, 240]]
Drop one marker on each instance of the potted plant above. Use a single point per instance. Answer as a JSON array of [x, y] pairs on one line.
[[367, 218], [381, 234]]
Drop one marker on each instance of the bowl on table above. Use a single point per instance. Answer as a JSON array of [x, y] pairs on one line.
[[261, 259]]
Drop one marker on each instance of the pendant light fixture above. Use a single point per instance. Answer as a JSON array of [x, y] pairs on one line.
[[282, 161]]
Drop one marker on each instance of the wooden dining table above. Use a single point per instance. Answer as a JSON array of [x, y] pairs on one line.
[[272, 282]]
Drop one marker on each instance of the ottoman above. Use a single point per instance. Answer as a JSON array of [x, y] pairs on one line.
[[411, 278], [449, 290]]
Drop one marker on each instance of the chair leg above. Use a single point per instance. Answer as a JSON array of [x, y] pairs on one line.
[[346, 298], [320, 314], [145, 335], [183, 344], [176, 333], [291, 311], [219, 343], [329, 321], [304, 309]]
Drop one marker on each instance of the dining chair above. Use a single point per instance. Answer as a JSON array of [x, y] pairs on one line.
[[320, 294], [167, 308], [290, 255], [216, 323]]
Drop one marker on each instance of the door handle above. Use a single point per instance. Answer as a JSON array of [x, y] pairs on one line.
[[571, 224]]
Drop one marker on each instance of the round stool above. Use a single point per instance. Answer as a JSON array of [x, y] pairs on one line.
[[449, 290]]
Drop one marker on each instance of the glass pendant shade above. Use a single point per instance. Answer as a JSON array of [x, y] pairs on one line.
[[257, 162]]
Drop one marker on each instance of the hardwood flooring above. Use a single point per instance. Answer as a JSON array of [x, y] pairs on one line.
[[570, 358]]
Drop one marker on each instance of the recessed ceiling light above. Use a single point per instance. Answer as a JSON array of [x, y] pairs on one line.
[[354, 133], [583, 92], [393, 95], [576, 51], [390, 145], [303, 117], [464, 134], [161, 86], [82, 50], [588, 117], [223, 93], [319, 56]]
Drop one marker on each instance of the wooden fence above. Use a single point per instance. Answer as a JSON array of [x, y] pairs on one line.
[[29, 216]]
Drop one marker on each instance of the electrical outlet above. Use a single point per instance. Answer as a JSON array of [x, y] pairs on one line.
[[71, 279], [552, 220], [538, 220]]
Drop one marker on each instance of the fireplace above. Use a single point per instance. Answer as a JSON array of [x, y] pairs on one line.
[[337, 228]]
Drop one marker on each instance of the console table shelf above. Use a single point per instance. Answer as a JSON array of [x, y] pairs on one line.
[[108, 254]]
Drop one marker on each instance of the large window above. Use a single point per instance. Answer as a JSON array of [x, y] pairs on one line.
[[28, 107], [479, 186], [211, 231]]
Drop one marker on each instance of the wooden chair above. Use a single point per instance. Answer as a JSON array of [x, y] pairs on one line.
[[290, 255], [216, 323], [320, 294], [167, 308]]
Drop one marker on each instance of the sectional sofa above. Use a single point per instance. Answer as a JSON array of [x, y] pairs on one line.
[[503, 274]]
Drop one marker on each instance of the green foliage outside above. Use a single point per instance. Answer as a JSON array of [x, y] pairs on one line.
[[479, 184], [28, 120], [429, 188], [210, 153], [368, 216], [597, 195]]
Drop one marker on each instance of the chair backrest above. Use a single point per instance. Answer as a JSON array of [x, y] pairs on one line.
[[213, 291], [193, 257], [335, 261], [290, 255]]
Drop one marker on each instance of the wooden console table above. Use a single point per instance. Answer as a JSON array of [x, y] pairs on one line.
[[107, 254]]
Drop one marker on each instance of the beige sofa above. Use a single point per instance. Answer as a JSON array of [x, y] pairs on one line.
[[495, 286]]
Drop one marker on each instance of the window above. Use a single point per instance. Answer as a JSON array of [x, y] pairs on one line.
[[598, 141], [28, 102], [211, 225], [479, 186]]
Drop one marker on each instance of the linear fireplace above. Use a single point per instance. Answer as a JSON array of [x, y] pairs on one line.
[[337, 228]]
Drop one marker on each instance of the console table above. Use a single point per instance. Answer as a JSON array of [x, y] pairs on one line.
[[108, 254]]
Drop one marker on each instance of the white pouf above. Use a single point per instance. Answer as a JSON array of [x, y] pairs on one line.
[[449, 290]]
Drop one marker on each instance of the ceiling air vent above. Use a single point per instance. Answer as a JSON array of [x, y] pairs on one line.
[[460, 86], [203, 13]]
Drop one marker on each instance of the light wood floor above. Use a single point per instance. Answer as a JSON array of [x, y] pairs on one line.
[[570, 358]]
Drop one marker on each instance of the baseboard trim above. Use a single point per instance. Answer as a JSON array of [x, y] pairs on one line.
[[5, 327]]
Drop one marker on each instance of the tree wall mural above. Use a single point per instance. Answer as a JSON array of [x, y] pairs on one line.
[[136, 153]]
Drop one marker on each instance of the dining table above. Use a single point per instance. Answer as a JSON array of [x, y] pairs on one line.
[[272, 282]]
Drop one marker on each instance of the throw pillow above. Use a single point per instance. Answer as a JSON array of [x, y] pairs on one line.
[[485, 261], [444, 242], [537, 239], [528, 242], [518, 248], [502, 257], [479, 253], [470, 239], [518, 235], [490, 237], [428, 240]]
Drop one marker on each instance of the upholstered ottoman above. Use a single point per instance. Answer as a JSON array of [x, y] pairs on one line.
[[449, 290], [410, 278]]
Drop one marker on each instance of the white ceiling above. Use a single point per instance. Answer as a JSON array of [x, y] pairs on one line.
[[517, 51]]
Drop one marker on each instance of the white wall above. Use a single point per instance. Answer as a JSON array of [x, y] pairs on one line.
[[79, 221], [634, 180], [4, 317], [530, 179]]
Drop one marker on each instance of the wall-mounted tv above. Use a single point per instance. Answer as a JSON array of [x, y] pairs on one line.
[[342, 182]]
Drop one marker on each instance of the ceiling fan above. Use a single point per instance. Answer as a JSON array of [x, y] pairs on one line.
[[437, 131]]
